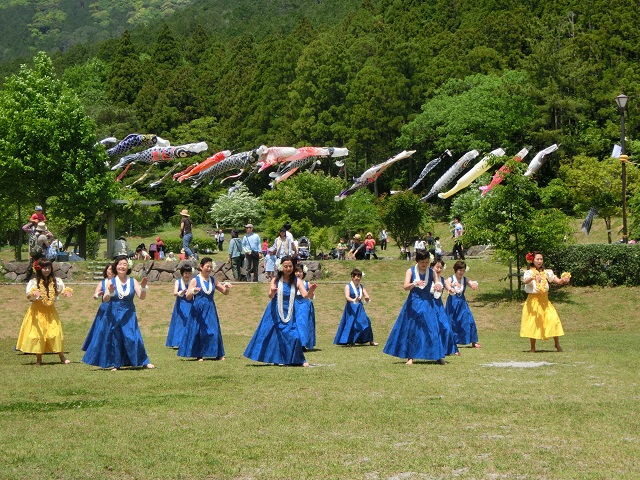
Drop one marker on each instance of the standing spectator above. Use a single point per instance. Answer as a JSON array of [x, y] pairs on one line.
[[342, 249], [284, 245], [429, 244], [419, 244], [265, 246], [458, 231], [251, 250], [220, 239], [235, 254], [270, 264], [159, 249], [370, 246], [38, 245], [215, 238], [294, 243], [384, 237], [185, 233]]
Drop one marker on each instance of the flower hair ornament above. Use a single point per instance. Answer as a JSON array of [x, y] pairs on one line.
[[36, 266], [279, 265], [305, 269], [529, 257]]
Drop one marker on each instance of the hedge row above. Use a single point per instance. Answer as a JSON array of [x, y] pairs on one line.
[[602, 264]]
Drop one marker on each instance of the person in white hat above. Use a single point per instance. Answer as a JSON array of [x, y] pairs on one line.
[[185, 233]]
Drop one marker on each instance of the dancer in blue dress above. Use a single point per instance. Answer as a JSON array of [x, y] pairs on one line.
[[417, 332], [444, 322], [462, 322], [355, 325], [123, 345], [181, 308], [277, 340], [202, 336], [305, 312], [96, 335]]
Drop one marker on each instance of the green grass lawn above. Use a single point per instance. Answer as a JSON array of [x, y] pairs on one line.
[[356, 413]]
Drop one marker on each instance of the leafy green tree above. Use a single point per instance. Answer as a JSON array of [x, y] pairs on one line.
[[360, 214], [597, 184], [126, 75], [510, 218], [305, 195], [404, 217], [237, 208], [479, 111], [48, 142]]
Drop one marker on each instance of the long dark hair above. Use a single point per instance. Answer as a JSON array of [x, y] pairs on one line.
[[44, 262], [293, 278]]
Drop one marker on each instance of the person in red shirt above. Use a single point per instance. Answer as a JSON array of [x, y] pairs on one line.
[[370, 245]]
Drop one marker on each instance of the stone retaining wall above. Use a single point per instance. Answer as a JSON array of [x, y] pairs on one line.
[[156, 271]]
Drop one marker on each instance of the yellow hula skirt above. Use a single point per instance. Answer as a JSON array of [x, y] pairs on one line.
[[41, 331], [539, 318]]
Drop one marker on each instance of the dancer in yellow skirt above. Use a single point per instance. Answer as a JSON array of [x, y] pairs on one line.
[[540, 320], [41, 331]]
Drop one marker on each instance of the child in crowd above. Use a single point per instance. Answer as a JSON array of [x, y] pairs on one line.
[[355, 325], [342, 249], [41, 330], [370, 245], [305, 313], [265, 246], [270, 263], [462, 322]]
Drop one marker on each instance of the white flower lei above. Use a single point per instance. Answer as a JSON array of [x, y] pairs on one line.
[[417, 275], [122, 288], [436, 294], [281, 302], [203, 282], [457, 286]]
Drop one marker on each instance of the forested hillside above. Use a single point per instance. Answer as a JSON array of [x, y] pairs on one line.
[[376, 77], [56, 26]]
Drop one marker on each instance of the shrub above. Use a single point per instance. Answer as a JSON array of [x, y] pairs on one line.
[[603, 264]]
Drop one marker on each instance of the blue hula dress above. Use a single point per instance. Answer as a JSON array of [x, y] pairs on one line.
[[355, 325], [96, 333], [202, 336], [462, 322], [277, 340], [305, 320], [417, 332], [444, 322], [179, 317], [118, 342]]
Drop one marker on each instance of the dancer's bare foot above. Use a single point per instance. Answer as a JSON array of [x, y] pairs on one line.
[[532, 351], [441, 362], [200, 359], [305, 364], [373, 344], [409, 362], [114, 369], [149, 365], [476, 345], [559, 349], [221, 358], [66, 361]]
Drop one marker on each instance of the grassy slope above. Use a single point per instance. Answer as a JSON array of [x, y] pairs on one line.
[[358, 414]]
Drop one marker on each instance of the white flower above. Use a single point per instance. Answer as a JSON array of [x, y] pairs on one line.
[[279, 265], [305, 269]]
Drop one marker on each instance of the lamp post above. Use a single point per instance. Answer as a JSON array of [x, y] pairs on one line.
[[621, 100]]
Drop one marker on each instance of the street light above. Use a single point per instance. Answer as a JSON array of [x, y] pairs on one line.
[[621, 100]]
